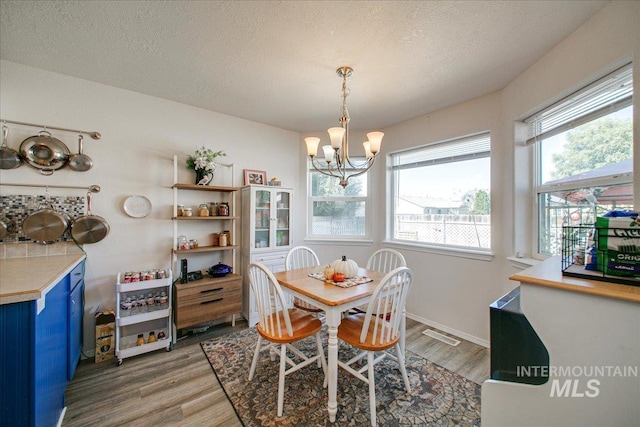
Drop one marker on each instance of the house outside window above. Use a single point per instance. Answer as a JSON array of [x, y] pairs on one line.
[[336, 212], [441, 194], [583, 157]]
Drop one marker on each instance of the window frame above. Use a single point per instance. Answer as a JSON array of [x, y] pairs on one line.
[[485, 254], [366, 238], [536, 135]]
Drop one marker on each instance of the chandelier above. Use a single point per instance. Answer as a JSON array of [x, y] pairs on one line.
[[336, 156]]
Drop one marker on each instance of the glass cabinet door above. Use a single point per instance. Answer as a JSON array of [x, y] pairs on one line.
[[262, 219], [283, 205]]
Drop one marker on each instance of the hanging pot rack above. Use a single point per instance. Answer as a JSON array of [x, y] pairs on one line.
[[91, 188], [94, 135]]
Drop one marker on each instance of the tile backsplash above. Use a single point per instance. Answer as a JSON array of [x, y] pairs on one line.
[[18, 207]]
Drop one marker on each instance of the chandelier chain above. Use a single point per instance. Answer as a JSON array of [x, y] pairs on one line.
[[345, 93]]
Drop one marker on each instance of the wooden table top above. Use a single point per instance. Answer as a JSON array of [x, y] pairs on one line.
[[325, 292]]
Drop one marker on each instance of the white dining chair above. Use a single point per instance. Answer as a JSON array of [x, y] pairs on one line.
[[281, 326], [383, 260], [371, 333], [302, 257]]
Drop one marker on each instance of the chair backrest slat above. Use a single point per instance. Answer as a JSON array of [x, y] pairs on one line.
[[390, 298], [301, 257], [385, 260], [270, 300]]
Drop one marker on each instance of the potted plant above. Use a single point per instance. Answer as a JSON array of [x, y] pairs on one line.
[[204, 163]]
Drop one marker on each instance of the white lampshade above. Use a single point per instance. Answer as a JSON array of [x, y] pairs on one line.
[[367, 149], [336, 135], [328, 153], [312, 145], [375, 139]]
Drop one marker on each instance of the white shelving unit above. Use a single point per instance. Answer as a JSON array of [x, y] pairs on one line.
[[130, 326]]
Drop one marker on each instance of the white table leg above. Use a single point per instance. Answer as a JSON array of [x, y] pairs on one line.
[[333, 320]]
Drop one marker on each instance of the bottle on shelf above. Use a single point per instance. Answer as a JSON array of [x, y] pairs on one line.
[[203, 210], [140, 340], [152, 337], [223, 209], [183, 243]]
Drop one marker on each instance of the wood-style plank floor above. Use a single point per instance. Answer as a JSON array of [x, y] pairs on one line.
[[178, 388]]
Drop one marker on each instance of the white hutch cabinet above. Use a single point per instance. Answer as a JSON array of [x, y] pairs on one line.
[[266, 235]]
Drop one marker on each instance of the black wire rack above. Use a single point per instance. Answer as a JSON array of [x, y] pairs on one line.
[[580, 244]]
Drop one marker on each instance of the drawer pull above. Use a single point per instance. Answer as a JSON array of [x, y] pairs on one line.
[[212, 301], [211, 290]]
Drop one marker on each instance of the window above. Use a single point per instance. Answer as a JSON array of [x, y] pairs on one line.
[[441, 194], [337, 212], [584, 157]]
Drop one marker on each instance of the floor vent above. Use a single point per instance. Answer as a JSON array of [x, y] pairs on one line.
[[445, 339]]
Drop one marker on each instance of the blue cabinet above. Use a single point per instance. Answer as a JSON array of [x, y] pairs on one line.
[[34, 356]]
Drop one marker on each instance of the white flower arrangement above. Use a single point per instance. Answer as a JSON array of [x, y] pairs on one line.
[[204, 159]]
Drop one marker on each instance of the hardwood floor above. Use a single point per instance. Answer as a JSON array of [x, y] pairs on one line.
[[178, 388]]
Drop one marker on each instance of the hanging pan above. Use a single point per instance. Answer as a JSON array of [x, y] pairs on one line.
[[7, 227], [80, 162], [89, 228], [44, 152], [9, 158], [46, 225]]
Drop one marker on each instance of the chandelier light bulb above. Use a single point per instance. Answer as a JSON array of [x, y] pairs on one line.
[[312, 145], [367, 149], [336, 134], [375, 140], [328, 153]]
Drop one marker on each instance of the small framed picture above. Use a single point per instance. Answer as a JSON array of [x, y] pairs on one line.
[[252, 177]]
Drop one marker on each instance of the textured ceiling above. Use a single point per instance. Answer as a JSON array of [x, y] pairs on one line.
[[274, 61]]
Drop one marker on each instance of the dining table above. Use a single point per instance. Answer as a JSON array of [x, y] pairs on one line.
[[335, 300]]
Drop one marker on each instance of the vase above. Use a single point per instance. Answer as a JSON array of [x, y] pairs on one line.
[[203, 176]]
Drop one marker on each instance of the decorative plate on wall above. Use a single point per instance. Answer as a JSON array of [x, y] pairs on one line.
[[137, 206]]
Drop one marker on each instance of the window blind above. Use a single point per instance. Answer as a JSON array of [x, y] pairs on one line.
[[605, 96], [455, 150]]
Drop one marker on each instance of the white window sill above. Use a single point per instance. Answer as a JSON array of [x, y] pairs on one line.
[[442, 250], [523, 263], [339, 241]]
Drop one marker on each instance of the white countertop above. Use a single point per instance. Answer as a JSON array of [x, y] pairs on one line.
[[27, 279]]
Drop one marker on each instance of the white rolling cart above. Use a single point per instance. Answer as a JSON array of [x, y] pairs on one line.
[[143, 321]]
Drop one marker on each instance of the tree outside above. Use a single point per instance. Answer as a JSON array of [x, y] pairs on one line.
[[481, 203], [599, 143]]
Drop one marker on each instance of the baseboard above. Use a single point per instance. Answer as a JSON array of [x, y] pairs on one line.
[[443, 328], [64, 411]]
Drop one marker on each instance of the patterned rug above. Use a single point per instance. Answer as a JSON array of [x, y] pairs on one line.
[[438, 397]]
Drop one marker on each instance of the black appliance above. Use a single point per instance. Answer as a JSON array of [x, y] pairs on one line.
[[517, 353]]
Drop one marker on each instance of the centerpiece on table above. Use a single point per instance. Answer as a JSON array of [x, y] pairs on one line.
[[204, 162]]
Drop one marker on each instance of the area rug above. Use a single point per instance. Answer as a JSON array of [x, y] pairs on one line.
[[438, 397]]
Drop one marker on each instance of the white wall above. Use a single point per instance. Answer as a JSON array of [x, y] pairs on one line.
[[140, 136]]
